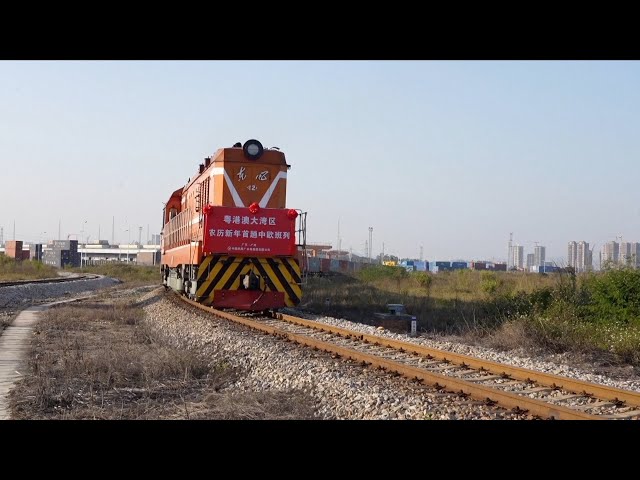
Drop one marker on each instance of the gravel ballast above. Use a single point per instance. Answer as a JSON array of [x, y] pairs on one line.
[[344, 390]]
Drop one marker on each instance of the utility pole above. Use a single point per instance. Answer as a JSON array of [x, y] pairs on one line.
[[370, 242], [139, 235], [85, 245]]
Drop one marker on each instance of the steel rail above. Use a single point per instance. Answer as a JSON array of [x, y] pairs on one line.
[[490, 395], [611, 394]]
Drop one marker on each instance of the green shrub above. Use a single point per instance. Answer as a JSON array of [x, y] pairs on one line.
[[422, 279], [375, 273], [614, 296], [489, 282]]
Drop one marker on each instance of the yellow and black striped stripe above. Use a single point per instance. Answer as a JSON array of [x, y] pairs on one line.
[[221, 272]]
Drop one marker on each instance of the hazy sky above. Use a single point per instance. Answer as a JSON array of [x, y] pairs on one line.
[[448, 155]]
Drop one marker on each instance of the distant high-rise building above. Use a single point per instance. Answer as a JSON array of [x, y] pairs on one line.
[[624, 253], [572, 255], [155, 239], [579, 256], [518, 257], [538, 255], [583, 257], [610, 253], [635, 254], [530, 260]]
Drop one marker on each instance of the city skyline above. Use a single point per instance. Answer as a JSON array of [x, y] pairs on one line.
[[579, 254]]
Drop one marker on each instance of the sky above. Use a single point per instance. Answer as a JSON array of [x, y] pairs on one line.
[[443, 158]]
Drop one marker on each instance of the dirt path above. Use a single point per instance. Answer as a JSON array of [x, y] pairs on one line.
[[14, 345]]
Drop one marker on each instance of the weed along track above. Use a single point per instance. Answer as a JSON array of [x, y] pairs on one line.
[[522, 391]]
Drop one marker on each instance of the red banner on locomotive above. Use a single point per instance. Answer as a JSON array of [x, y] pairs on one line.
[[237, 231]]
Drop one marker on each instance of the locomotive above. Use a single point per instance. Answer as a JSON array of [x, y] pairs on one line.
[[228, 240]]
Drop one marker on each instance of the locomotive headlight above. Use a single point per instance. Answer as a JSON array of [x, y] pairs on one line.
[[252, 149]]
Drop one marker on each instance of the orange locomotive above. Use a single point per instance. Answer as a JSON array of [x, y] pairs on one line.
[[228, 240]]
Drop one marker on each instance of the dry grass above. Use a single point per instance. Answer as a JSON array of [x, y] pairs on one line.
[[553, 313], [12, 270], [128, 273], [449, 302], [6, 318], [100, 361]]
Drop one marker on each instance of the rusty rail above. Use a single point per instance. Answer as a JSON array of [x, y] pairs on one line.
[[509, 400]]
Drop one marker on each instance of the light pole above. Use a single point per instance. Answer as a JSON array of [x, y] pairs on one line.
[[128, 241], [85, 246], [81, 235]]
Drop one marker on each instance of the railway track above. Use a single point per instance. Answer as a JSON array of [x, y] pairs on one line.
[[533, 393], [48, 280]]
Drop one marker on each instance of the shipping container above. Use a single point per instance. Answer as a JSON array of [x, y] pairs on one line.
[[334, 266], [35, 251], [325, 265], [458, 265], [544, 269], [143, 258], [71, 245], [13, 244], [421, 266], [13, 249], [443, 264], [313, 265]]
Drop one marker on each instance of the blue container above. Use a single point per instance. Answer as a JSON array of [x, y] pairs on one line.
[[313, 264], [421, 266]]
